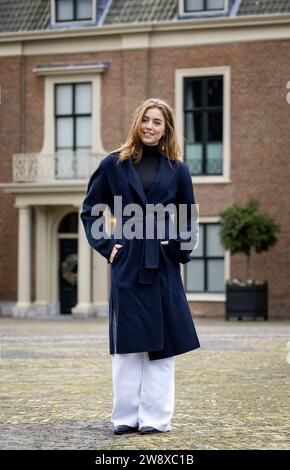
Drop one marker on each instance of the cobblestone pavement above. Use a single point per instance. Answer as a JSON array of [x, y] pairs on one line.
[[56, 387]]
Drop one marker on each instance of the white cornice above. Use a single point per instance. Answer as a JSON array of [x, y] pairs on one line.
[[147, 27], [72, 186], [70, 69], [167, 34]]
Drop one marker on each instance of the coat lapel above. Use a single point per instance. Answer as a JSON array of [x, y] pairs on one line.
[[165, 172]]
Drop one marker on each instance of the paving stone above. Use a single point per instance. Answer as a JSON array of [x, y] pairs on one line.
[[56, 387]]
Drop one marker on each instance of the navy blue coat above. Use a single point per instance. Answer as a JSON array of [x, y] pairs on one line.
[[148, 308]]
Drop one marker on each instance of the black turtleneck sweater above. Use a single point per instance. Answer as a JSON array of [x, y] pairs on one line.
[[148, 165]]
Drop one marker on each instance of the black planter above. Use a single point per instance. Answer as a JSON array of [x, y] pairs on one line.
[[247, 301]]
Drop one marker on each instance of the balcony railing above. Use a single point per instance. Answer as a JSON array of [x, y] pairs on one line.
[[39, 168]]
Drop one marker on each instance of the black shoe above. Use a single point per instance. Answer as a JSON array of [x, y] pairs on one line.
[[148, 430], [123, 429]]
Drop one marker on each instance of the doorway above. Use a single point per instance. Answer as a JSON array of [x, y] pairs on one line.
[[68, 262]]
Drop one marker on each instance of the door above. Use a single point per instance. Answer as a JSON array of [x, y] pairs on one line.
[[68, 257]]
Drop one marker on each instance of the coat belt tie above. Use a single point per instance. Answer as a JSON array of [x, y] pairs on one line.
[[149, 259]]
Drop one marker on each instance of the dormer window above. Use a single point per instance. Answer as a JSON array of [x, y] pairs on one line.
[[67, 11], [198, 7]]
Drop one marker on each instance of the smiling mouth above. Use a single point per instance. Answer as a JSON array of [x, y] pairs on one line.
[[147, 133]]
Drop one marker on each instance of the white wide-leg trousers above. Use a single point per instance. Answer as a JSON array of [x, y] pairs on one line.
[[143, 390]]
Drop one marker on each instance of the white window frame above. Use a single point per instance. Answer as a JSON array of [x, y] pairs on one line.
[[179, 99], [212, 296], [181, 11], [48, 148], [53, 21]]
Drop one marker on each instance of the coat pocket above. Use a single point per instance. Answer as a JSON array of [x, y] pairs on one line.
[[175, 251], [168, 253]]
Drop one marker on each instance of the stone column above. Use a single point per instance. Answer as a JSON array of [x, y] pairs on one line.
[[23, 305], [84, 306], [42, 282]]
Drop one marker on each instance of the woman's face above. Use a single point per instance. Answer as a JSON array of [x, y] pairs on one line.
[[152, 126]]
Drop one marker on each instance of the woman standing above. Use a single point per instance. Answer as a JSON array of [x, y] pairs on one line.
[[149, 318]]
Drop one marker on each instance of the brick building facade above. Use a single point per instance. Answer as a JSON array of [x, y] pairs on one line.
[[62, 75]]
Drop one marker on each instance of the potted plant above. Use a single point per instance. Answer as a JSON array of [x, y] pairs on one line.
[[243, 229]]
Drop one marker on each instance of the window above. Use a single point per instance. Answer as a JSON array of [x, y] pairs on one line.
[[205, 272], [203, 124], [191, 8], [203, 5], [73, 127], [69, 224], [73, 10], [72, 139], [203, 115]]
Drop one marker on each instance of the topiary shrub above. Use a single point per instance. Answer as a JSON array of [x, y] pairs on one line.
[[244, 229]]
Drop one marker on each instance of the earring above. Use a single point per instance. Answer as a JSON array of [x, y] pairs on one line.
[[163, 144]]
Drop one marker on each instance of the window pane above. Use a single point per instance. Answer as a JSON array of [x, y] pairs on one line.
[[84, 9], [215, 126], [195, 276], [83, 132], [215, 4], [83, 104], [193, 5], [193, 127], [64, 133], [215, 276], [194, 158], [199, 249], [83, 163], [214, 247], [63, 99], [214, 159], [215, 92], [192, 94], [64, 10], [69, 224], [65, 164], [193, 142]]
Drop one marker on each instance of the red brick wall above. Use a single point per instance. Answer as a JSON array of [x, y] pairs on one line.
[[10, 143], [260, 138]]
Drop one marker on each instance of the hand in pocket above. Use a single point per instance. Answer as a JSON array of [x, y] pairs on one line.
[[115, 250]]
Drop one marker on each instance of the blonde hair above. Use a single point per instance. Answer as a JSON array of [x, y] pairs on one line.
[[168, 144]]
